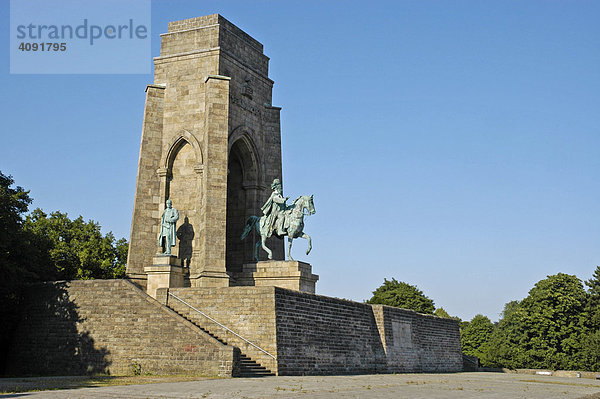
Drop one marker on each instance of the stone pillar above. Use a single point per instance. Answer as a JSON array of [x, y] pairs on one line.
[[212, 271], [292, 275], [146, 207], [166, 272]]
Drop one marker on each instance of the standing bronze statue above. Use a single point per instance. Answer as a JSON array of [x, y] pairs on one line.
[[168, 234], [281, 220]]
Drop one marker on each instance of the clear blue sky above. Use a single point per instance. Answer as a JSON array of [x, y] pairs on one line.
[[453, 145]]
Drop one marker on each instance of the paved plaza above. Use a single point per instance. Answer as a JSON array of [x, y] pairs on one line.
[[414, 386]]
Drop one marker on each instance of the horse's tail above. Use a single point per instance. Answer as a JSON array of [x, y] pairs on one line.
[[250, 222]]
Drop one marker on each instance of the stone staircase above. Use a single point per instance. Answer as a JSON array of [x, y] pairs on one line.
[[248, 367]]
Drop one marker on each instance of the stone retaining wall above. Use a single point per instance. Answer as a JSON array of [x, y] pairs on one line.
[[315, 334], [109, 326], [416, 342], [322, 335]]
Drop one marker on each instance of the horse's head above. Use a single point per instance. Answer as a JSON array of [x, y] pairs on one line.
[[310, 205], [305, 202]]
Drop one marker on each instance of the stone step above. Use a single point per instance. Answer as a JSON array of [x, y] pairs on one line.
[[254, 375], [185, 316], [252, 366], [248, 367], [250, 363]]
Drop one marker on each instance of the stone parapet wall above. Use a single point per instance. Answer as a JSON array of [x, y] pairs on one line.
[[415, 342], [110, 326], [313, 334], [322, 335]]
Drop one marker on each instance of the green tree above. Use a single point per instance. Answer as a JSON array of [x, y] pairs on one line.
[[402, 295], [76, 249], [509, 307], [593, 304], [14, 202], [499, 349], [42, 248], [590, 351], [441, 312], [475, 335], [17, 257], [594, 283], [544, 330]]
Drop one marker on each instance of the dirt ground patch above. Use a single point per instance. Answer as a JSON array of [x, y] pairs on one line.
[[25, 384], [379, 386]]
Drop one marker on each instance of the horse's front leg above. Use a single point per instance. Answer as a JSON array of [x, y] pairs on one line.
[[290, 239], [306, 236], [256, 250], [263, 240]]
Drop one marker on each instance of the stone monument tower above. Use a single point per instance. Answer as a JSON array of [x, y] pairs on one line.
[[211, 143]]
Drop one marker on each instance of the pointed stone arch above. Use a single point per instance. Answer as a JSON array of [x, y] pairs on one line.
[[244, 179], [242, 145], [182, 139], [181, 180]]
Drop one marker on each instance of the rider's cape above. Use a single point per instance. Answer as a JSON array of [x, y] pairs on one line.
[[271, 209]]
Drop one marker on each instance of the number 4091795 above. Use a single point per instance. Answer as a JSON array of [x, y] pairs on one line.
[[45, 46]]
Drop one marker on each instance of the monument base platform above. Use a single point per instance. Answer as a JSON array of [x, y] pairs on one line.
[[298, 333], [166, 272], [293, 275]]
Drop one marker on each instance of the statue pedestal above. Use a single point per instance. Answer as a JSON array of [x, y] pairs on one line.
[[292, 275], [209, 279], [166, 272]]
